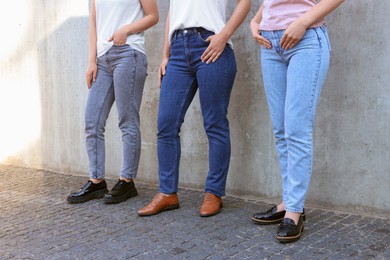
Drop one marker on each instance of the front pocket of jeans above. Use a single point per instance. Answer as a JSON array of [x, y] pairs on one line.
[[325, 32], [145, 60], [130, 53], [310, 39], [204, 37]]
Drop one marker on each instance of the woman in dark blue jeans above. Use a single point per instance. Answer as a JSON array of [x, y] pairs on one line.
[[197, 54]]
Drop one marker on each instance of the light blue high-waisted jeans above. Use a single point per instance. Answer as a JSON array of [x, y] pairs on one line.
[[121, 76], [293, 80]]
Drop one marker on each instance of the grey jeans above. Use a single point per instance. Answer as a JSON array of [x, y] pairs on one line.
[[120, 77]]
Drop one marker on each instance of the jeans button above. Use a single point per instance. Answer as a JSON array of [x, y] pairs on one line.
[[185, 31]]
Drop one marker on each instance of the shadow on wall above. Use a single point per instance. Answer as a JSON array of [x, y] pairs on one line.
[[62, 55]]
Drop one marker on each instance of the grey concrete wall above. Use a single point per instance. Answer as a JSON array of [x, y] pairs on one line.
[[42, 97]]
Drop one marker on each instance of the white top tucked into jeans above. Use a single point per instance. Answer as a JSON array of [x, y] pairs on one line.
[[209, 14], [112, 15]]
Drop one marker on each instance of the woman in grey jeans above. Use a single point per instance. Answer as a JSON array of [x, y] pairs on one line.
[[116, 72]]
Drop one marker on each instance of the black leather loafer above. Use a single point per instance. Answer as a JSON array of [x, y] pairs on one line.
[[121, 192], [89, 191], [270, 216], [288, 231]]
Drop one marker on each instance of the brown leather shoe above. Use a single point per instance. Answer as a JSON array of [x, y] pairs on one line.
[[211, 206], [161, 202]]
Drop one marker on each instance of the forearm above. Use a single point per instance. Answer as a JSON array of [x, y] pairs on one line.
[[141, 25], [318, 12], [92, 34], [92, 48], [258, 16], [166, 47], [150, 18], [238, 16]]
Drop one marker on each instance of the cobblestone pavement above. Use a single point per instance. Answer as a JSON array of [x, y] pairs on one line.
[[37, 223]]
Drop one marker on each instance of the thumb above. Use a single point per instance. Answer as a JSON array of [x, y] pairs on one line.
[[94, 75], [111, 38]]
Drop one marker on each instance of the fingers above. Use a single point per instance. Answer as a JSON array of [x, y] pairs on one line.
[[94, 75], [210, 55], [88, 79], [288, 41], [161, 73], [214, 50], [260, 39], [263, 41], [117, 40]]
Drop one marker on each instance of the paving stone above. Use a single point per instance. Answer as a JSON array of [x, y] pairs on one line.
[[37, 223]]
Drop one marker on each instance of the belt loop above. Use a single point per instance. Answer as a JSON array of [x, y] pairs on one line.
[[174, 35]]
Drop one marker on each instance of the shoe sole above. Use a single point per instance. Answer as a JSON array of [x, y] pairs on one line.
[[267, 222], [210, 215], [95, 195], [290, 239], [270, 222], [162, 210], [126, 196]]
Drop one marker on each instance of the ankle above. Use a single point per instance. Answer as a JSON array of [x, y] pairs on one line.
[[293, 215], [281, 207], [96, 181], [168, 194], [126, 179]]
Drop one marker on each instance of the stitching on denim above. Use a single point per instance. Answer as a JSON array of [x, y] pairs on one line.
[[325, 33], [178, 119], [311, 116], [96, 128], [133, 156]]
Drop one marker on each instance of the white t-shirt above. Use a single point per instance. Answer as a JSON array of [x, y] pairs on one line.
[[209, 14], [112, 15]]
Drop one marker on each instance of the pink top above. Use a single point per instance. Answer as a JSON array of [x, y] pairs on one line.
[[279, 14]]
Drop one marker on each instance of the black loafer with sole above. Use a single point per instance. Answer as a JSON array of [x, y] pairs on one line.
[[288, 231], [89, 191], [270, 216], [121, 192]]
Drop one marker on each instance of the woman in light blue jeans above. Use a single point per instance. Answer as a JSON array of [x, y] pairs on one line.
[[116, 73], [295, 52]]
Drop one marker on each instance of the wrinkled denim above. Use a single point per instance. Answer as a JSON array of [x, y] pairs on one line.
[[121, 76], [293, 80], [185, 74]]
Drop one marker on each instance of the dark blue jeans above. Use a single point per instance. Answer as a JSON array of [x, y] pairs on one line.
[[185, 74]]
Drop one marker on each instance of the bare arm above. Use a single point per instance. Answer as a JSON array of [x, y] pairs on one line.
[[166, 52], [296, 30], [92, 67], [150, 18], [218, 41], [255, 25]]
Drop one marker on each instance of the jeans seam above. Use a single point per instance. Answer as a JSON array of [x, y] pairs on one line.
[[133, 170], [96, 143], [177, 122], [133, 100], [311, 121]]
